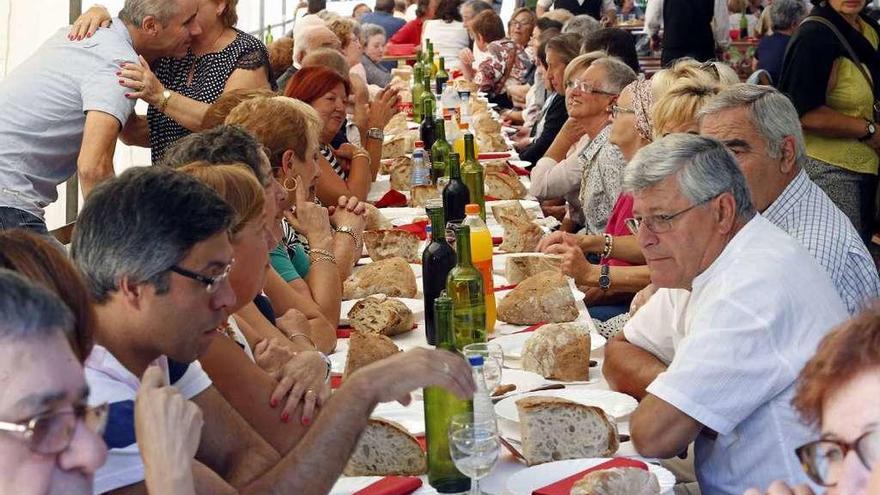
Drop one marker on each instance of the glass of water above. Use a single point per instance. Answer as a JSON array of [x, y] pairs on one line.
[[474, 447], [493, 361]]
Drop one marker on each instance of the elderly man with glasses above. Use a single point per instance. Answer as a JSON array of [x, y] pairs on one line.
[[49, 439], [758, 306]]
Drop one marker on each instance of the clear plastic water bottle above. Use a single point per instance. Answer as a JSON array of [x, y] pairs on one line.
[[483, 407], [450, 101], [421, 169]]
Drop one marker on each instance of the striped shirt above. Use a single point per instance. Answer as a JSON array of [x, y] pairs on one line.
[[109, 381], [808, 214], [327, 153]]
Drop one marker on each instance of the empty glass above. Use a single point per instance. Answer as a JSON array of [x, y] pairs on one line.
[[474, 447]]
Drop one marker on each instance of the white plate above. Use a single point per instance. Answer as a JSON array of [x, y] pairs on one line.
[[524, 380], [529, 480], [520, 163], [411, 417], [337, 361], [614, 404], [417, 306]]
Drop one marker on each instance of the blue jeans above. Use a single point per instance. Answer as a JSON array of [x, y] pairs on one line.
[[13, 218], [606, 312]]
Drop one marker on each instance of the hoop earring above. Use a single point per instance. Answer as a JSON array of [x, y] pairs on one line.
[[290, 188]]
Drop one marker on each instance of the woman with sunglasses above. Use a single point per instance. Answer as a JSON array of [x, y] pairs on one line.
[[58, 449], [839, 392]]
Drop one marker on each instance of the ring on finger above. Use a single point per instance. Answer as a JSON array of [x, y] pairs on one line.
[[310, 391]]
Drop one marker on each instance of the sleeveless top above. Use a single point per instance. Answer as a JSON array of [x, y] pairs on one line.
[[210, 73]]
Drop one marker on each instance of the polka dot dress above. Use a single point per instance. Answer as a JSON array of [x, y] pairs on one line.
[[209, 75]]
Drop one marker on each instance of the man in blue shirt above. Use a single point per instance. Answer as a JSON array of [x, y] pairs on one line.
[[383, 15]]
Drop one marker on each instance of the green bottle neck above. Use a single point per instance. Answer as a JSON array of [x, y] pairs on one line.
[[469, 147], [442, 67], [454, 168], [438, 225], [440, 124], [443, 323], [463, 246]]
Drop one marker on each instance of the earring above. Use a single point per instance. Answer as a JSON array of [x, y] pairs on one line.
[[289, 188]]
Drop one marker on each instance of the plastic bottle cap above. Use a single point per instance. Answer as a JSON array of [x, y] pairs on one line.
[[463, 125], [472, 209], [475, 360], [419, 144]]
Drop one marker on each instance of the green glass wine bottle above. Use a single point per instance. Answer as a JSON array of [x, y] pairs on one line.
[[440, 151], [442, 76], [440, 407], [418, 89], [472, 174], [464, 285]]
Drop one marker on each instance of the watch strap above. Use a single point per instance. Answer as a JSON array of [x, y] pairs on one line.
[[604, 277]]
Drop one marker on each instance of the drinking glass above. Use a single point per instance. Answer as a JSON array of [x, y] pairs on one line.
[[493, 361], [474, 447]]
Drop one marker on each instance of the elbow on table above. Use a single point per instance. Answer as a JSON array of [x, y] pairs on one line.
[[651, 439]]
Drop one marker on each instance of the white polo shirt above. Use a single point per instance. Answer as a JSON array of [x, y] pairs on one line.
[[753, 319], [109, 381]]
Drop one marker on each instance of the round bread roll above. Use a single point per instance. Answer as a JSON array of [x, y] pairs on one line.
[[559, 351]]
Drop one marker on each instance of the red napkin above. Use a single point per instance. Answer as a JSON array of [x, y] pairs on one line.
[[504, 287], [399, 49], [497, 240], [418, 228], [532, 328], [390, 199], [563, 486], [423, 442], [343, 332], [520, 171], [493, 156], [392, 485], [335, 381]]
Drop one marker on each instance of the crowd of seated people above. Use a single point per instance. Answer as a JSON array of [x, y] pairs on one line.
[[739, 300]]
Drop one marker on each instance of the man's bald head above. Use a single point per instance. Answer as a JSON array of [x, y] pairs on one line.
[[314, 37]]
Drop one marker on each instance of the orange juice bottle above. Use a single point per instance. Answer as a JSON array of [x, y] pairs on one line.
[[481, 257], [458, 145]]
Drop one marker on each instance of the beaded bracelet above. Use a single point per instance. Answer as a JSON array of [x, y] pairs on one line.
[[609, 245]]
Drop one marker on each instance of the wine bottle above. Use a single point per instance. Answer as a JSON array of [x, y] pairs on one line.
[[439, 152], [427, 130], [464, 285], [440, 406], [428, 96], [417, 90], [743, 25], [455, 194], [442, 77], [438, 258], [472, 175], [481, 257]]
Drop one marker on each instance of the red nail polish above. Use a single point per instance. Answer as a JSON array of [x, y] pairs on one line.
[[273, 403], [285, 418], [306, 421]]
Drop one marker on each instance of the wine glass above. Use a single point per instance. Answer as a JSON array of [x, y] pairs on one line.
[[473, 446], [493, 361]]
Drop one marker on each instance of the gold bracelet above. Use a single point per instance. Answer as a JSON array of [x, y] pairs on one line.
[[318, 255], [295, 335], [362, 154], [166, 97]]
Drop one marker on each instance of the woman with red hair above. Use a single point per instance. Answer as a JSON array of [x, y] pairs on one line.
[[347, 170]]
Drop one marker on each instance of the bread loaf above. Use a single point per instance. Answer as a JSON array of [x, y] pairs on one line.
[[617, 481], [554, 429], [381, 314], [400, 169], [394, 147], [462, 84], [559, 351], [542, 298], [367, 348], [374, 219], [502, 185], [390, 243], [386, 449], [497, 167], [397, 124], [491, 142], [520, 236], [519, 267], [392, 277], [510, 210], [420, 195]]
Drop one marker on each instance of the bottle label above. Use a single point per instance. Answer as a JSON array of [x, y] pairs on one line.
[[406, 107]]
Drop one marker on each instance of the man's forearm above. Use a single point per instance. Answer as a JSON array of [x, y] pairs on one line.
[[313, 466], [629, 368]]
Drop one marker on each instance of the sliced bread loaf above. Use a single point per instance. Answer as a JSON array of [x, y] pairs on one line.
[[554, 429], [374, 219], [390, 243], [542, 298], [519, 267], [501, 185], [386, 449], [381, 314]]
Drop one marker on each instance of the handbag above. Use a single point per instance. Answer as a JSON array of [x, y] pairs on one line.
[[852, 56]]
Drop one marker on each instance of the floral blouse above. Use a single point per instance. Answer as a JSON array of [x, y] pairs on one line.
[[491, 70], [602, 180]]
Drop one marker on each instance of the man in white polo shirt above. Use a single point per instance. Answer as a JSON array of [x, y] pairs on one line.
[[759, 305]]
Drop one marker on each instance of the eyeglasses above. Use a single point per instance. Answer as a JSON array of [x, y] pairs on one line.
[[616, 110], [51, 433], [821, 459], [518, 24], [659, 224], [211, 283], [587, 88]]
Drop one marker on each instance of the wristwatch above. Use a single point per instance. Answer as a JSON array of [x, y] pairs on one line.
[[870, 130], [345, 229], [376, 133], [329, 366], [604, 278], [163, 103]]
